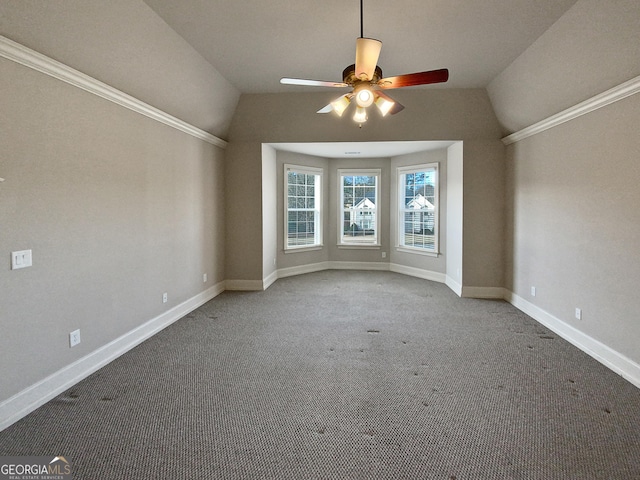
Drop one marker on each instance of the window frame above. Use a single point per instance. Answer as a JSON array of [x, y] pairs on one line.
[[402, 210], [353, 242], [317, 210]]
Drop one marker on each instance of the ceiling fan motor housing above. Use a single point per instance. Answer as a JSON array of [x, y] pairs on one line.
[[349, 76]]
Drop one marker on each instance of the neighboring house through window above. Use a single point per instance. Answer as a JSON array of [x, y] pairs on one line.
[[418, 208], [359, 199], [303, 207]]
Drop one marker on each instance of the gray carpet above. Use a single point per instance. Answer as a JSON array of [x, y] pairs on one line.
[[340, 375]]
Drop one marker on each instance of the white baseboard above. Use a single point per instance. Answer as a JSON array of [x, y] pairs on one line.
[[251, 285], [623, 366], [377, 266], [269, 280], [418, 272], [302, 269], [26, 401], [453, 285]]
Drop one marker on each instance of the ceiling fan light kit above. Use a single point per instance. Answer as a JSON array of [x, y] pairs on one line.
[[365, 79]]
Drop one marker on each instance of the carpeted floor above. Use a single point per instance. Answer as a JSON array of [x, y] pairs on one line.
[[341, 375]]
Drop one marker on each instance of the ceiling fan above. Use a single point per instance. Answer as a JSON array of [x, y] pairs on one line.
[[366, 80]]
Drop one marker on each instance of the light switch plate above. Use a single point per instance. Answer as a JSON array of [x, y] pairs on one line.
[[21, 259]]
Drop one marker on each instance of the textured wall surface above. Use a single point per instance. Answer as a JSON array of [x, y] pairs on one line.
[[117, 209], [573, 226]]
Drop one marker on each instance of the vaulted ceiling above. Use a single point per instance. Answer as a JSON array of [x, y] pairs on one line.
[[255, 43], [194, 58]]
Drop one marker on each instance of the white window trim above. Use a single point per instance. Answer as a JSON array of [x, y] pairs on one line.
[[318, 197], [355, 244], [400, 172]]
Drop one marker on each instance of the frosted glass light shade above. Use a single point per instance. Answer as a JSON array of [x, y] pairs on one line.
[[384, 105], [361, 115], [340, 105]]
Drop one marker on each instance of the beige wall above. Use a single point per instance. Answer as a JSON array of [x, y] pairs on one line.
[[429, 115], [117, 209], [483, 214], [243, 227], [573, 225]]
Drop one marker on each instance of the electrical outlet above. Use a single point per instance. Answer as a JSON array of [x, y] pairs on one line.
[[578, 314], [165, 297], [21, 259], [74, 338], [204, 278], [533, 291], [384, 254]]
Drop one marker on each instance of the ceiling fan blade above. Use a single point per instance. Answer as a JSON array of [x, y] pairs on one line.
[[326, 109], [367, 53], [412, 79], [311, 83], [387, 105]]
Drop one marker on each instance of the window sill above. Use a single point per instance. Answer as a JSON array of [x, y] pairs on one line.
[[417, 251], [303, 249]]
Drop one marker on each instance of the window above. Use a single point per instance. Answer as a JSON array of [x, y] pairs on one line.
[[418, 208], [358, 208], [303, 207]]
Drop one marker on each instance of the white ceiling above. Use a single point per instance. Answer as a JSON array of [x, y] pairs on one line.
[[253, 43]]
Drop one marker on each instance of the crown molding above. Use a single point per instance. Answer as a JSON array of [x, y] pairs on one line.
[[29, 58], [612, 95]]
